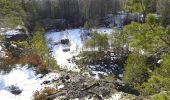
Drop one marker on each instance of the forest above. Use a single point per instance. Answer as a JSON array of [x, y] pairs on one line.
[[74, 11], [119, 43]]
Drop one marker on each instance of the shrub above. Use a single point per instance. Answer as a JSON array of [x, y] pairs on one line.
[[42, 69], [52, 63], [161, 97], [42, 94], [135, 70]]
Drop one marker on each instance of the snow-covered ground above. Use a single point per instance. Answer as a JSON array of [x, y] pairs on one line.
[[25, 79], [105, 30], [7, 31], [57, 50], [75, 46], [11, 31], [2, 52]]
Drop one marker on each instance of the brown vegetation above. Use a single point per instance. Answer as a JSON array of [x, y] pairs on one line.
[[32, 59], [42, 95]]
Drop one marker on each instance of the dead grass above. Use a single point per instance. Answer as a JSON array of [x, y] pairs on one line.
[[32, 59], [42, 95]]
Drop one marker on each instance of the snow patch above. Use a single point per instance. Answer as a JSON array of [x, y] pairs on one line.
[[116, 96], [104, 30], [60, 87], [2, 52], [9, 32], [160, 61], [24, 78]]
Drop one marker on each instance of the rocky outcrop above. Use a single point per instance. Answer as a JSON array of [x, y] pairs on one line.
[[72, 86], [18, 37]]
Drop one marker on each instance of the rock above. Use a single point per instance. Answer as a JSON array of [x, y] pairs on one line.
[[54, 24], [82, 87], [77, 86], [46, 82], [14, 90], [65, 41], [67, 77], [66, 50], [17, 37]]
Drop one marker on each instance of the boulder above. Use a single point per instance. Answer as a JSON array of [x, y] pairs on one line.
[[14, 90], [65, 41], [18, 37], [66, 50]]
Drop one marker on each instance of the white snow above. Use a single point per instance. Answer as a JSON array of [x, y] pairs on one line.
[[2, 52], [75, 45], [74, 35], [60, 87], [0, 48], [116, 96], [160, 61], [104, 30], [24, 78], [9, 32]]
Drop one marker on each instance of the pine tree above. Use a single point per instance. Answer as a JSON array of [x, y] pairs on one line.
[[135, 70]]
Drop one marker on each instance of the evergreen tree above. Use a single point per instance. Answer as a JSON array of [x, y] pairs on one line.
[[163, 7], [135, 70], [97, 40], [146, 36]]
